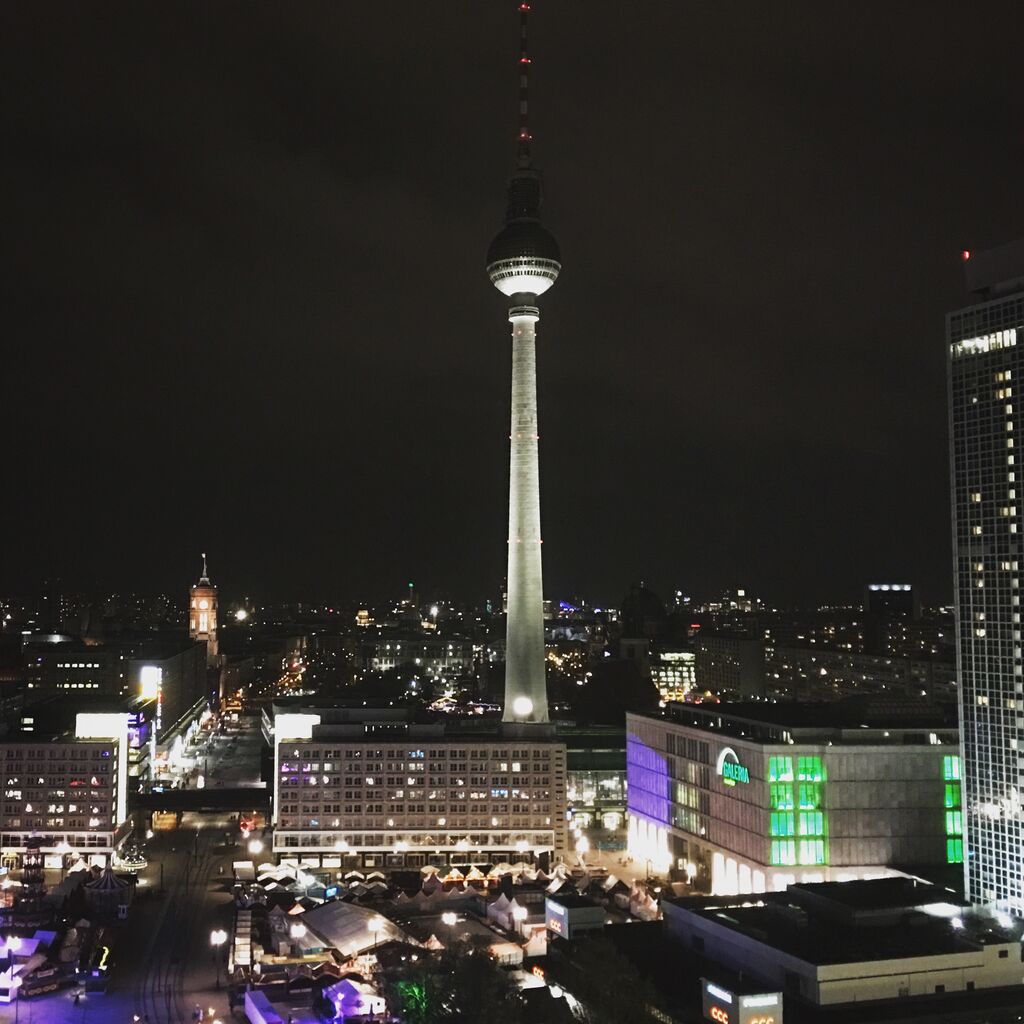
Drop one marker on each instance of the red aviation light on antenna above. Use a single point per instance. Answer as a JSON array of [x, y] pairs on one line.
[[525, 60], [524, 7], [965, 255]]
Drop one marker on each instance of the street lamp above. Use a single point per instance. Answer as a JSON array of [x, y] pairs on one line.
[[519, 915], [255, 846], [63, 848], [374, 926], [448, 918], [217, 939]]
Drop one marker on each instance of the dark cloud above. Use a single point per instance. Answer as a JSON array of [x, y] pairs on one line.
[[245, 310]]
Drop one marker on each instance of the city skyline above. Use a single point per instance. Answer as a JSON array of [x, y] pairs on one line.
[[194, 230]]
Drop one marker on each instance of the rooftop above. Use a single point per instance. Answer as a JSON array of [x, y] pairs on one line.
[[852, 922], [858, 719]]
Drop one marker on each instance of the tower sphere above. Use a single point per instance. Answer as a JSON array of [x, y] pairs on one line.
[[524, 257]]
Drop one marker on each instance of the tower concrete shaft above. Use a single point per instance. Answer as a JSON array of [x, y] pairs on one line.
[[525, 686]]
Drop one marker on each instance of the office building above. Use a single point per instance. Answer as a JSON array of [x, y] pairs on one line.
[[730, 666], [754, 797], [70, 790], [986, 367], [369, 787], [674, 674]]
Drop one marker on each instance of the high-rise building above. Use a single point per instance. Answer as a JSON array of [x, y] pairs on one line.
[[986, 366], [202, 614], [523, 262]]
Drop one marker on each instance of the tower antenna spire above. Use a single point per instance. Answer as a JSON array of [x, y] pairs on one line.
[[206, 576], [525, 137]]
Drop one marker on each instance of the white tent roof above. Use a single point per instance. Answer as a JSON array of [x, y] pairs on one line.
[[346, 927]]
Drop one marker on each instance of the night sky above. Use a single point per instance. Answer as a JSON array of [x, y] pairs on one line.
[[245, 310]]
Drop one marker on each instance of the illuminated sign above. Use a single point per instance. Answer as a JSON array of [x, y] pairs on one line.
[[729, 767], [718, 993], [151, 678], [724, 1007]]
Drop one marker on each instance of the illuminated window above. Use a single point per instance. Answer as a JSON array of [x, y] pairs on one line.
[[810, 769], [954, 851], [780, 769], [812, 823], [951, 767], [952, 794], [810, 796], [954, 823], [812, 851], [782, 824], [783, 851]]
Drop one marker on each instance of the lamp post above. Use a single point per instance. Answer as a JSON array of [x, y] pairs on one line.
[[255, 846], [297, 932], [374, 926], [519, 915], [63, 848], [448, 918], [217, 939]]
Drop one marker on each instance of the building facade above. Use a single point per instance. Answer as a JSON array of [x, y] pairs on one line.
[[755, 797], [69, 790], [986, 366], [358, 786]]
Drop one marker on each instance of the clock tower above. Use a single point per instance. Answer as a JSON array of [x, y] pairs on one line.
[[202, 614]]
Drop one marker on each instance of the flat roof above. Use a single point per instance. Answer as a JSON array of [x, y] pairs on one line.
[[838, 922], [572, 901], [850, 713], [877, 893]]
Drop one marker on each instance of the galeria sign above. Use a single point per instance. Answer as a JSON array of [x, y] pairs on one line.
[[730, 769]]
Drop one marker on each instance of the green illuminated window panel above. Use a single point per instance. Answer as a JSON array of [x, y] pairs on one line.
[[951, 767], [780, 796], [952, 794], [809, 769], [810, 796], [783, 851], [812, 851], [954, 851], [812, 823], [782, 824], [780, 769], [954, 823]]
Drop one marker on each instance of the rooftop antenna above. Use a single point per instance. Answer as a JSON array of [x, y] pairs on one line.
[[205, 578], [525, 138]]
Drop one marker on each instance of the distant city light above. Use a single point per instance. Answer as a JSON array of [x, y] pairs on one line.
[[241, 615]]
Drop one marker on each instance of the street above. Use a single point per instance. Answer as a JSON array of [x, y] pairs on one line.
[[163, 964]]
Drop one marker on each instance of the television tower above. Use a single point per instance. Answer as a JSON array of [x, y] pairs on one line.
[[523, 262]]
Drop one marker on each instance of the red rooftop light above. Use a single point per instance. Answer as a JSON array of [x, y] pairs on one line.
[[965, 255]]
